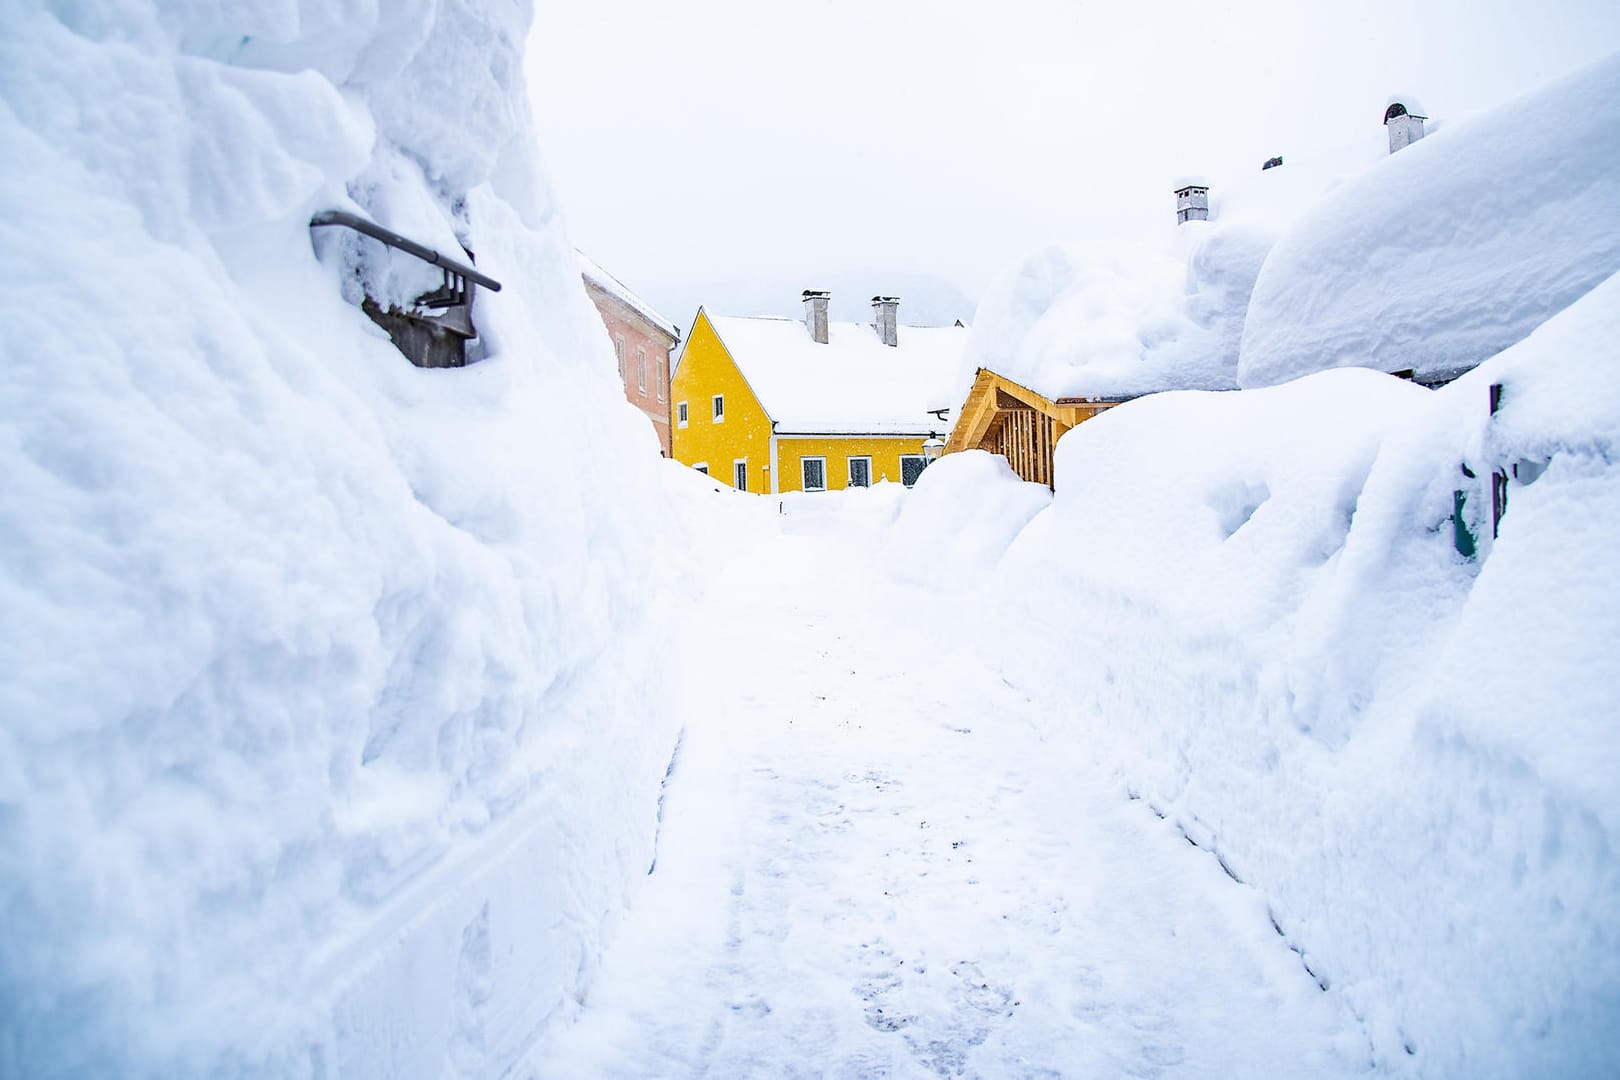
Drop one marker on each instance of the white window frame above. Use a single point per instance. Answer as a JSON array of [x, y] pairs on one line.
[[641, 368], [680, 414], [908, 457], [661, 371], [739, 464], [701, 466], [618, 351], [717, 408], [804, 481], [849, 464]]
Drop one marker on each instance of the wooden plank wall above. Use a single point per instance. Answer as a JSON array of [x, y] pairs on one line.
[[1026, 438]]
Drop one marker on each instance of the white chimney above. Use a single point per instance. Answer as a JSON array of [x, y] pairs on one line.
[[885, 316], [1192, 202], [1404, 124], [815, 313]]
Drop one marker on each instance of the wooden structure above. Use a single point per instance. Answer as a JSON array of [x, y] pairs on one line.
[[1021, 425]]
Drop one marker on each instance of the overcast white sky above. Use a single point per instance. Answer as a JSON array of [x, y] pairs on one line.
[[702, 145]]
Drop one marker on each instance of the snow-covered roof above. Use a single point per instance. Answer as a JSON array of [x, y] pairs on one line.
[[854, 384], [619, 291], [1446, 253]]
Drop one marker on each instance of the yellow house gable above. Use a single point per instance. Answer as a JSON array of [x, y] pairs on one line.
[[854, 411], [731, 439]]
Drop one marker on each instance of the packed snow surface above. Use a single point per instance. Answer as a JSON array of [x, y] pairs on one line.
[[328, 684], [851, 383], [871, 864], [1452, 249]]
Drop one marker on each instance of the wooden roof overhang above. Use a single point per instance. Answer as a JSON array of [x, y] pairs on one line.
[[1005, 418], [992, 396]]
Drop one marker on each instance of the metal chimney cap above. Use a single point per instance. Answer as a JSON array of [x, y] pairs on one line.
[[817, 294]]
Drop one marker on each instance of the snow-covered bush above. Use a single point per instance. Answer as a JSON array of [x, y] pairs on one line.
[[328, 686]]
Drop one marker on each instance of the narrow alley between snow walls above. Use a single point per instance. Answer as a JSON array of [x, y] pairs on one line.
[[1186, 651], [871, 863]]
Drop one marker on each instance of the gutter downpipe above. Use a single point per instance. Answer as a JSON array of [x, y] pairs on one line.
[[775, 488]]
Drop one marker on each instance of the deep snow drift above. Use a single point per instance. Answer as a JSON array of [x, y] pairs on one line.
[[328, 683], [1165, 315], [1251, 607], [1451, 250]]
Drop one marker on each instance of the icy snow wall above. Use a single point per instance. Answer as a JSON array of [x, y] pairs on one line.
[[329, 729], [1451, 250], [1252, 605]]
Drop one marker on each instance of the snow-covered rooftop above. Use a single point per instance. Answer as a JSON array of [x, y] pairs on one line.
[[1453, 249], [1165, 313], [611, 285], [852, 384]]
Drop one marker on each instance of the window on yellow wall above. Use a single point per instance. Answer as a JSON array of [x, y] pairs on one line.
[[739, 473], [860, 472], [680, 414], [719, 408], [911, 467], [813, 470]]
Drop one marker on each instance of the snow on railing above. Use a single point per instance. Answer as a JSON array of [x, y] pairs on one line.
[[427, 341]]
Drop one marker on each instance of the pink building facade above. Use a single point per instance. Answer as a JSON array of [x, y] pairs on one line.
[[643, 341]]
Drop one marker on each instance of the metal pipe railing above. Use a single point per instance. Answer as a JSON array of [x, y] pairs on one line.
[[410, 247]]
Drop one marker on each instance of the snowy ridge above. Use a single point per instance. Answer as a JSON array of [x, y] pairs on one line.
[[328, 683]]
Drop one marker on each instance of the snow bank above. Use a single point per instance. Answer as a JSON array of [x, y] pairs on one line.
[[330, 686], [961, 515], [1452, 249], [1256, 612]]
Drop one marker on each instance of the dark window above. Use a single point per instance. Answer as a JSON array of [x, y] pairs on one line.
[[911, 467]]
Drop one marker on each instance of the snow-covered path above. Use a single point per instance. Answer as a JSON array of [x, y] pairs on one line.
[[871, 865]]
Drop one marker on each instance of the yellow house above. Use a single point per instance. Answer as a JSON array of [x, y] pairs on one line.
[[776, 404]]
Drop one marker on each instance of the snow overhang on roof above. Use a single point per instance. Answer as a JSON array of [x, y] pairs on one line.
[[621, 292]]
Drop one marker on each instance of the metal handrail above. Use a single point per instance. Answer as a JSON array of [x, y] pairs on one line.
[[405, 244]]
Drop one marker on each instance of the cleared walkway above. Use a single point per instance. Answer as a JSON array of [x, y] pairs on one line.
[[871, 866]]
